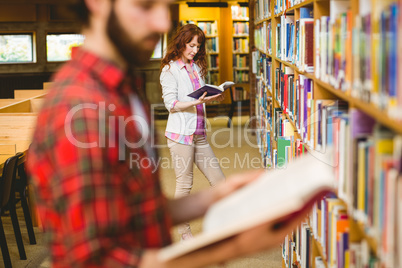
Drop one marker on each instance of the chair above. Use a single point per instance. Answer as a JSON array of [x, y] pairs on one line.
[[7, 201], [234, 103], [21, 187]]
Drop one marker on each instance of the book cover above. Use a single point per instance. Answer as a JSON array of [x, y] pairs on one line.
[[210, 89], [282, 143], [306, 13]]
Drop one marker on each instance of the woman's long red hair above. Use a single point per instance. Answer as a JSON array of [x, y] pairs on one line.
[[178, 44]]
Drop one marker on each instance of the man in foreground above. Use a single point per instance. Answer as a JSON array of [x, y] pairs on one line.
[[97, 208]]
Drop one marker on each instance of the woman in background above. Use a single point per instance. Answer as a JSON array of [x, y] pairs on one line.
[[183, 70]]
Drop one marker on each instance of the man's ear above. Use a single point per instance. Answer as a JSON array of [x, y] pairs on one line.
[[99, 8]]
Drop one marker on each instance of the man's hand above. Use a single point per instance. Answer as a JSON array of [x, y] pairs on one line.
[[195, 205], [263, 237]]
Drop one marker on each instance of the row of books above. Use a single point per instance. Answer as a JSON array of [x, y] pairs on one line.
[[260, 36], [212, 45], [240, 61], [325, 124], [212, 78], [263, 111], [295, 97], [369, 167], [334, 47], [282, 5], [268, 44], [263, 68], [213, 61], [297, 248], [295, 40], [240, 45], [241, 76], [239, 94], [273, 120], [262, 9], [239, 13], [367, 163], [344, 55], [209, 28], [328, 227], [241, 28], [366, 157]]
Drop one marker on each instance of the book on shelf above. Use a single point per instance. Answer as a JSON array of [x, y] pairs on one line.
[[262, 9], [209, 28], [261, 201], [211, 89], [240, 28], [239, 13], [213, 61], [260, 35], [239, 94]]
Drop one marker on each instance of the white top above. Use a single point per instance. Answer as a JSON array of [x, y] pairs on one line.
[[176, 85]]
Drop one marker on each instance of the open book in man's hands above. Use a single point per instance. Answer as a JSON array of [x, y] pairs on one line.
[[274, 195], [210, 89]]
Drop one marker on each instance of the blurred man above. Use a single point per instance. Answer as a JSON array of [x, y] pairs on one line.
[[98, 206]]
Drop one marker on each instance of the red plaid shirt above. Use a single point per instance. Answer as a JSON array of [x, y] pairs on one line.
[[98, 209]]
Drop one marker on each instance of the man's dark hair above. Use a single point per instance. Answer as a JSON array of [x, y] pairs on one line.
[[80, 9]]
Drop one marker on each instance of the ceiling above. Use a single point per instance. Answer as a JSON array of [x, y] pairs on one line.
[[66, 1]]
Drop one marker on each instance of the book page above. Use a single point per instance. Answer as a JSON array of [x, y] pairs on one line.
[[212, 86], [226, 84], [272, 194]]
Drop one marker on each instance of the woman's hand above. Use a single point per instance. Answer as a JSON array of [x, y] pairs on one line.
[[204, 99]]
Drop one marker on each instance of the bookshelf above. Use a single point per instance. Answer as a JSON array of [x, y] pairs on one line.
[[240, 48], [328, 82], [210, 29]]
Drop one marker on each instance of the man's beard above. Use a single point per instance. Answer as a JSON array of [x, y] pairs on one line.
[[132, 52]]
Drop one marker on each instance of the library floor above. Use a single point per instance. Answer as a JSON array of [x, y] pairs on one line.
[[237, 152]]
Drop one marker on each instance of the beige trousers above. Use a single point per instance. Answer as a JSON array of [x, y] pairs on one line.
[[183, 157]]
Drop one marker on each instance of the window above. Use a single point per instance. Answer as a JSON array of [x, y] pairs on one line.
[[158, 51], [59, 46], [16, 48]]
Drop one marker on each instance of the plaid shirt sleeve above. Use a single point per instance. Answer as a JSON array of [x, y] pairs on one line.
[[97, 211]]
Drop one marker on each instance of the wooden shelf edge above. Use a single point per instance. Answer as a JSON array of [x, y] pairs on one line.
[[265, 53], [368, 108], [303, 4], [261, 21], [320, 251], [240, 20]]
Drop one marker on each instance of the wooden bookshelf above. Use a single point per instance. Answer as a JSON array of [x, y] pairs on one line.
[[240, 49], [326, 90]]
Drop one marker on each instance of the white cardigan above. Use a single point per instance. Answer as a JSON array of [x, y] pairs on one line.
[[176, 85]]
